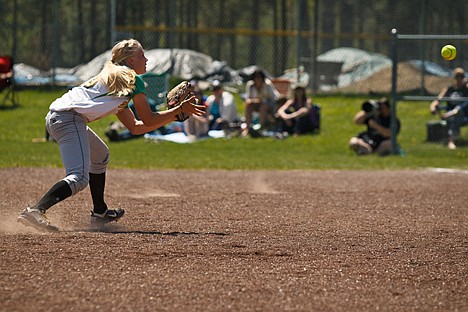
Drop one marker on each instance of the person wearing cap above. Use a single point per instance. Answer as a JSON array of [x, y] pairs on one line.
[[456, 113], [221, 108], [376, 115]]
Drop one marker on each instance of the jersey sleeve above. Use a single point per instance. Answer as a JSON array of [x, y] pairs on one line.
[[139, 86]]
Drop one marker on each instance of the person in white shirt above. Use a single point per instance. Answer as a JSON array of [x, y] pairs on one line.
[[84, 155], [260, 97], [221, 108]]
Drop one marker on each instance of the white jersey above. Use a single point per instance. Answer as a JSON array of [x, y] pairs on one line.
[[227, 107], [91, 100], [268, 93]]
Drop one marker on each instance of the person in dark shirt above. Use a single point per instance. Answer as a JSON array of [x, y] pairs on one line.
[[456, 113], [377, 138], [296, 115]]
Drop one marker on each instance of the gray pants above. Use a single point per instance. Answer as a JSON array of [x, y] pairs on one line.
[[81, 149]]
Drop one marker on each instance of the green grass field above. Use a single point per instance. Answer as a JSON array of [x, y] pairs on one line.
[[326, 150]]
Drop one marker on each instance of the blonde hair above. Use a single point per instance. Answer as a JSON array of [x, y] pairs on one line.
[[120, 79]]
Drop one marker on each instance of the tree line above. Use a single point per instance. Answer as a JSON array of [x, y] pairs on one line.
[[275, 34]]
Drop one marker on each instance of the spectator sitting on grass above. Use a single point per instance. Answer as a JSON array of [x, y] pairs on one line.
[[456, 111], [260, 97], [376, 115], [221, 108], [294, 116]]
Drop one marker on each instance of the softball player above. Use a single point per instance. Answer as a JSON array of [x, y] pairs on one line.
[[84, 155]]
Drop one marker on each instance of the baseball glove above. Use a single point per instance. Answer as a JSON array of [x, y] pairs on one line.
[[179, 93]]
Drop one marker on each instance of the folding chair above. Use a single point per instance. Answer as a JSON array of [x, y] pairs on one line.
[[156, 88], [283, 86], [7, 82]]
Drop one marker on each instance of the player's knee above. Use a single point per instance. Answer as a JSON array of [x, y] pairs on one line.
[[105, 158], [101, 165], [77, 183]]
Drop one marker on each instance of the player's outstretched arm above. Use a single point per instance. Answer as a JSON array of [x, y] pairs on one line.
[[149, 120], [153, 120]]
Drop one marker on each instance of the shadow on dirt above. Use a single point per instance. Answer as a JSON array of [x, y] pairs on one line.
[[118, 231]]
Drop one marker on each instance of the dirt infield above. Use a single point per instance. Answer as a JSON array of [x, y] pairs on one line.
[[242, 241]]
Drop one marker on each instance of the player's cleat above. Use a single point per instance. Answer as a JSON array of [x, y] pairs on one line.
[[110, 215], [36, 218]]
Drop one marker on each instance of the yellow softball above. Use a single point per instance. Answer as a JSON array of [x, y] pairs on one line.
[[448, 52]]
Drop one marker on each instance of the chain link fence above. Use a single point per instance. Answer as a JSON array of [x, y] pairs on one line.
[[335, 45], [332, 46]]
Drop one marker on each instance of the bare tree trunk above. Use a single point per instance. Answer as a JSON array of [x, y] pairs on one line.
[[358, 25], [276, 56], [192, 23], [232, 41], [45, 46], [155, 35], [326, 25], [220, 37], [170, 22], [284, 39], [348, 25], [337, 8], [254, 19], [94, 29], [306, 26], [80, 33], [14, 30]]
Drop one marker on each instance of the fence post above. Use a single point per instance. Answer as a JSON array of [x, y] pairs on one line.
[[315, 46], [55, 39], [15, 29], [113, 13], [171, 35], [299, 43]]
